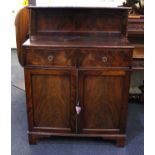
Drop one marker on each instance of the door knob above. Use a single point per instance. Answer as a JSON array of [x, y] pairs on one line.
[[78, 109]]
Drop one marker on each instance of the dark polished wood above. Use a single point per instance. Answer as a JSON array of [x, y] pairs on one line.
[[136, 37], [77, 20], [22, 31], [77, 58], [104, 57], [54, 98], [102, 109]]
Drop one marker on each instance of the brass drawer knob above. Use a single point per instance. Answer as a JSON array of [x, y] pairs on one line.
[[104, 59], [50, 58]]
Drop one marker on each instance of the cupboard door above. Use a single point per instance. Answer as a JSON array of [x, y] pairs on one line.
[[103, 97], [50, 99]]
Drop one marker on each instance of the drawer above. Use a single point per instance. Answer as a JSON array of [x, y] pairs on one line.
[[106, 58], [44, 57]]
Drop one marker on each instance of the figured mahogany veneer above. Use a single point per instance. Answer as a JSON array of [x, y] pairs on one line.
[[83, 58], [77, 58], [46, 57]]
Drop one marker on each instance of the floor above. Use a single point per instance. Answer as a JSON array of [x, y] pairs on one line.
[[68, 146]]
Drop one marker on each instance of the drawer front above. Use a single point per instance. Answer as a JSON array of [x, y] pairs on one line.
[[106, 58], [45, 57], [79, 57]]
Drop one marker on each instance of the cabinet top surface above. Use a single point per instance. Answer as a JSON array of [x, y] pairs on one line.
[[78, 41], [114, 4], [79, 7]]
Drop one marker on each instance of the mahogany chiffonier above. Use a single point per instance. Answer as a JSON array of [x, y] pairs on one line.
[[77, 64]]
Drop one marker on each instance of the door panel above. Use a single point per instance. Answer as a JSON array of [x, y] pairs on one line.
[[51, 100], [101, 99], [53, 94]]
